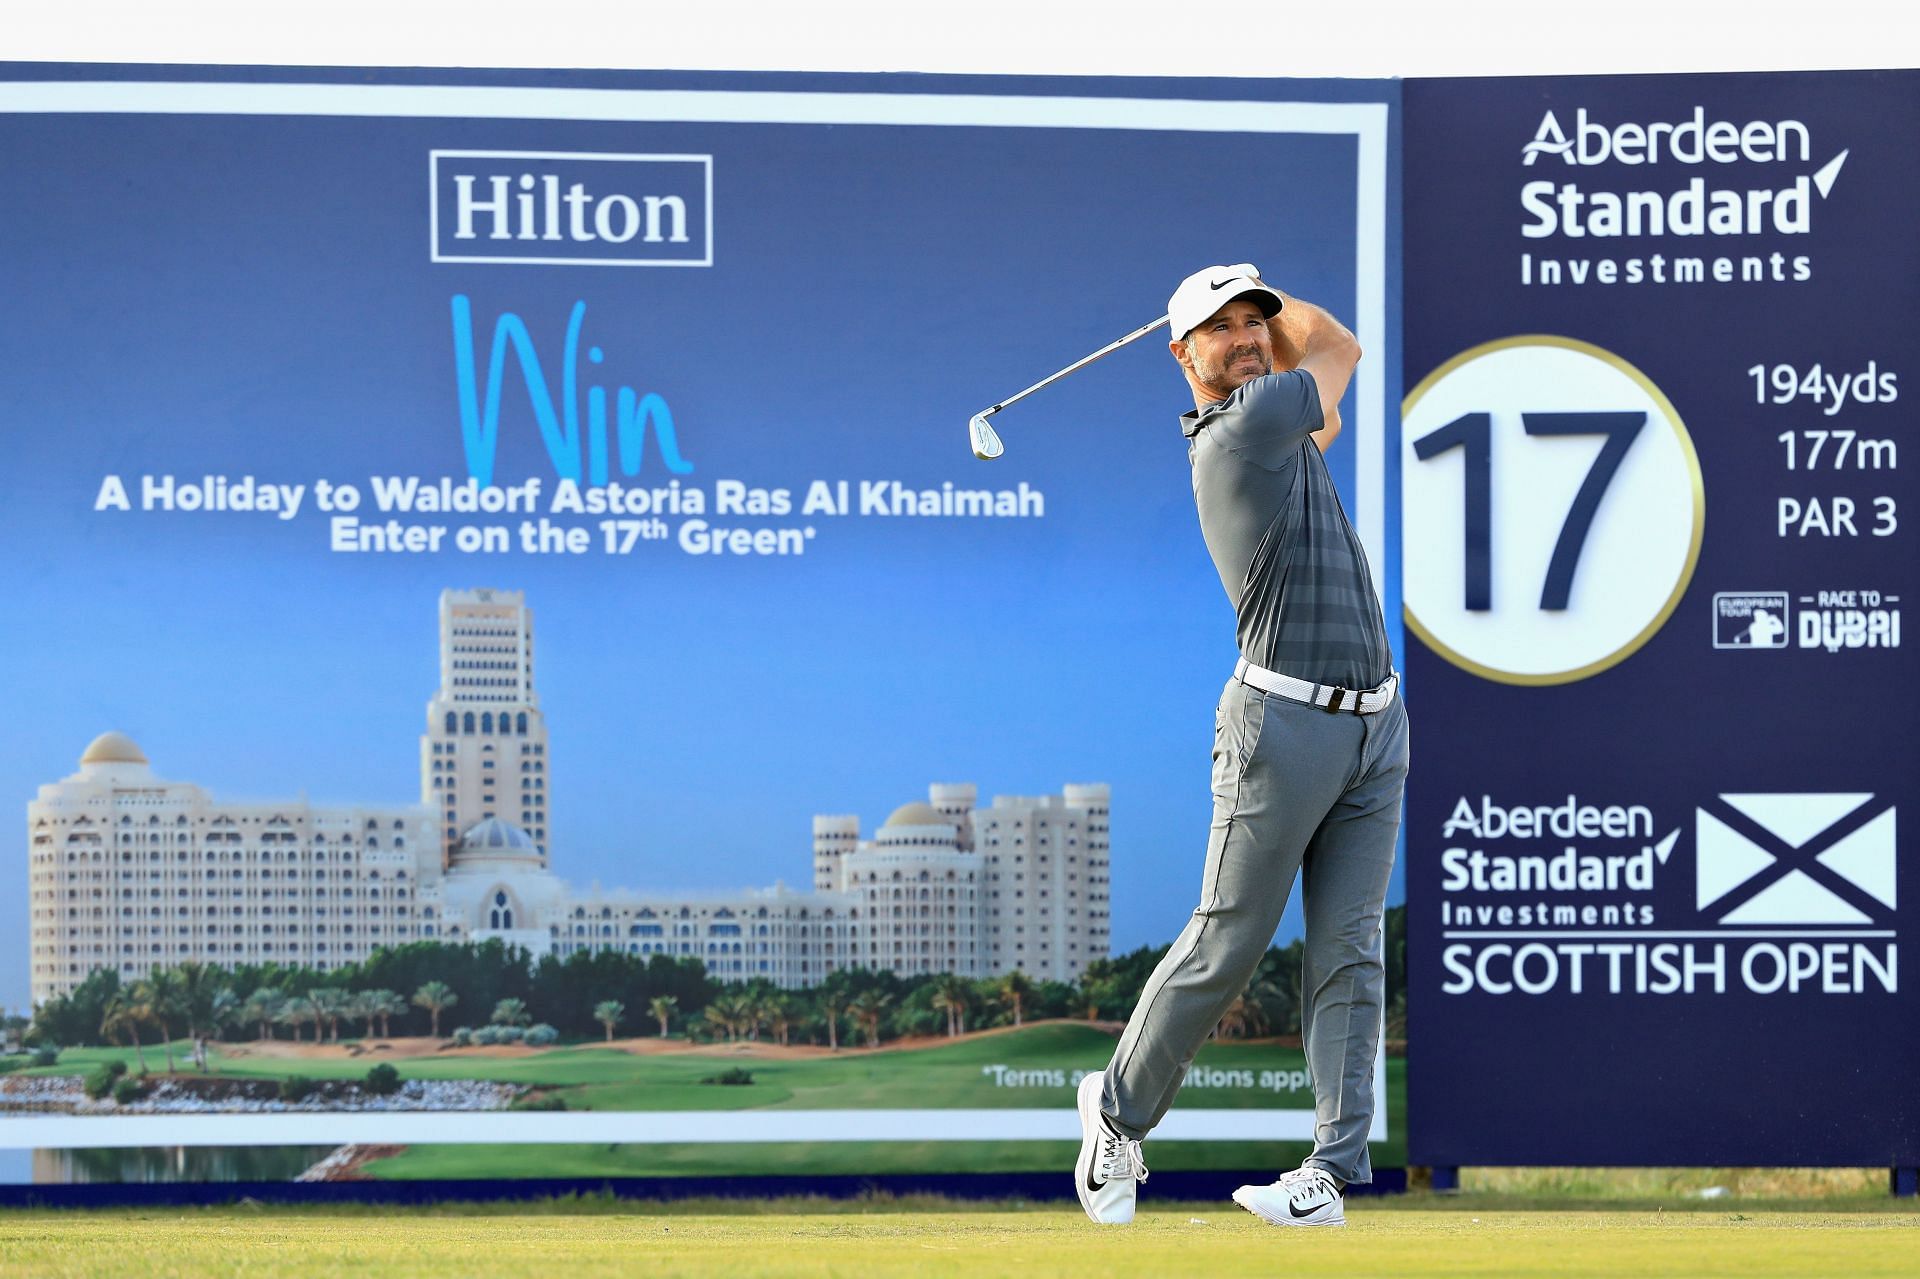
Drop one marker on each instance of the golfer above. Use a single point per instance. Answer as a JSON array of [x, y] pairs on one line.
[[1309, 751]]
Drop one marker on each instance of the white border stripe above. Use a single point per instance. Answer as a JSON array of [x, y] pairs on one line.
[[1370, 327], [688, 106], [704, 1127]]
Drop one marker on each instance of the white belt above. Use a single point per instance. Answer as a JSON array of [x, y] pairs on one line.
[[1327, 697]]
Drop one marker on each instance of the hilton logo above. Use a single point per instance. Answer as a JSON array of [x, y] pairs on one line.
[[571, 208]]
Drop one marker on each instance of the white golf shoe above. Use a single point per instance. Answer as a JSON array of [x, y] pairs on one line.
[[1303, 1197], [1110, 1165]]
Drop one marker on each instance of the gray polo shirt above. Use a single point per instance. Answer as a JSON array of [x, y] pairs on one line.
[[1292, 564]]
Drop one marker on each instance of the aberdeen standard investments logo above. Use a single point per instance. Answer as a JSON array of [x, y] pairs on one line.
[[556, 208], [1694, 200], [1785, 894]]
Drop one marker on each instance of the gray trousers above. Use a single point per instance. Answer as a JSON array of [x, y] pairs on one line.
[[1295, 790]]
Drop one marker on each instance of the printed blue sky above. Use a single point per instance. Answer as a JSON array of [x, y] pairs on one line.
[[195, 295]]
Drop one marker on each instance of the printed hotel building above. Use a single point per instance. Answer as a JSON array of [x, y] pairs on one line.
[[131, 872]]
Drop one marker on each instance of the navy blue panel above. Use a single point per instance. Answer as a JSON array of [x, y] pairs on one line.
[[1809, 1070]]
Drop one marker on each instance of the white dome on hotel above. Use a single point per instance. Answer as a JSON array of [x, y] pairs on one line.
[[496, 885], [113, 758], [917, 825], [919, 813], [113, 748], [495, 838]]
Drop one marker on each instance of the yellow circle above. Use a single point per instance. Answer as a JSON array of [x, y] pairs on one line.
[[1698, 488]]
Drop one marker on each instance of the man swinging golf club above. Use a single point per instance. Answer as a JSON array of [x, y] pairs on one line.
[[1309, 751]]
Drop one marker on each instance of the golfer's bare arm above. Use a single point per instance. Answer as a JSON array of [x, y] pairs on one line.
[[1306, 337]]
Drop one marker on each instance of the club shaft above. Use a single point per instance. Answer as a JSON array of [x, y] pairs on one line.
[[1082, 362]]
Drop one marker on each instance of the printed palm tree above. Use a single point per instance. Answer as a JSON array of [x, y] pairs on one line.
[[1094, 994], [165, 1003], [662, 1008], [263, 1008], [737, 1014], [122, 1016], [833, 1003], [436, 997], [759, 1010], [386, 1005], [310, 1011], [510, 1012], [198, 987], [609, 1012], [1265, 995], [866, 1012], [715, 1015], [1248, 1014], [943, 1001], [1238, 1018], [360, 1008], [330, 1004], [1015, 989], [222, 1010], [780, 1019], [954, 994], [746, 1014], [291, 1012]]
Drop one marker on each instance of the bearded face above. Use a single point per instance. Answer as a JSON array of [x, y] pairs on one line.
[[1229, 348]]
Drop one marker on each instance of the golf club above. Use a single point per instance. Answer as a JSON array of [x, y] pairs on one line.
[[980, 433]]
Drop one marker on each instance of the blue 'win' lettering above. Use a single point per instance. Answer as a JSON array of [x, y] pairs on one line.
[[560, 432]]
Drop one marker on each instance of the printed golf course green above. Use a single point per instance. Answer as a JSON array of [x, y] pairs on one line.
[[958, 1074]]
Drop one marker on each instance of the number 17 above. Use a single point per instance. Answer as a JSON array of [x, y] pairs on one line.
[[1473, 433]]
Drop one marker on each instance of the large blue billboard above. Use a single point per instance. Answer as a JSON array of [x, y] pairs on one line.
[[652, 392]]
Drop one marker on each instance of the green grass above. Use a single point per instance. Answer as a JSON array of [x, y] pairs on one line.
[[952, 1075], [947, 1076], [77, 1061], [1569, 1187], [1214, 1240]]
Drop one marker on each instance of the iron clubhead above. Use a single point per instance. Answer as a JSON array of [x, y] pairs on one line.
[[986, 442]]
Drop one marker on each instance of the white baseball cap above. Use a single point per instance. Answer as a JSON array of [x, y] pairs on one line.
[[1206, 291]]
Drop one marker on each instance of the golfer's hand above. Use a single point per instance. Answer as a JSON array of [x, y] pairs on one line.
[[1286, 351]]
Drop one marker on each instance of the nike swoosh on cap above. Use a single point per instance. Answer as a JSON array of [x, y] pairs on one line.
[[1223, 284]]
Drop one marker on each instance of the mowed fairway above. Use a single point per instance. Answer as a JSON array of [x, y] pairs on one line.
[[960, 1073], [957, 1073], [1207, 1241]]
